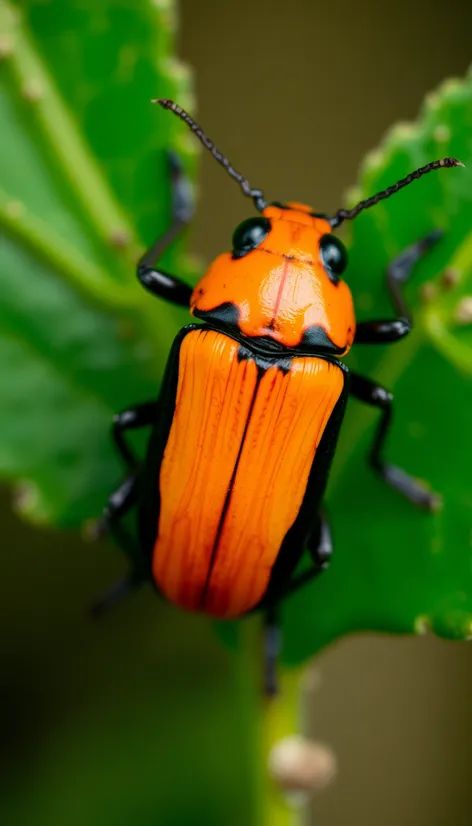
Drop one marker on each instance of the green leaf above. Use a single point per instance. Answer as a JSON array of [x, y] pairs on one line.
[[83, 185], [396, 568]]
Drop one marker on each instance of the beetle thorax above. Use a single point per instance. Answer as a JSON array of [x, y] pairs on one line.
[[279, 290]]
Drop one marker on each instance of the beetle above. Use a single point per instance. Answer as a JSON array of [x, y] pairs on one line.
[[229, 494]]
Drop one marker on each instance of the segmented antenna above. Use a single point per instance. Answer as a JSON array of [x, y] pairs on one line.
[[255, 194], [344, 214]]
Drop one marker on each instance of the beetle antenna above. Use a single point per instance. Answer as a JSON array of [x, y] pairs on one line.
[[344, 214], [255, 194]]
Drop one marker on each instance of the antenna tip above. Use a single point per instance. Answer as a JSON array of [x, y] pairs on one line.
[[451, 162], [164, 102]]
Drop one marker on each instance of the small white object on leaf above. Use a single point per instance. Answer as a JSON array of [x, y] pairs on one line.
[[301, 767], [463, 312]]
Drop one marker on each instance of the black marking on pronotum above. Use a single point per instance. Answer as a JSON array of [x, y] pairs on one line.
[[227, 313], [316, 340]]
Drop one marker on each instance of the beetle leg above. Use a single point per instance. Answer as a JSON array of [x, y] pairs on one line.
[[381, 332], [321, 550], [123, 498], [131, 419], [119, 504], [320, 546], [271, 651], [374, 394], [115, 593], [398, 273], [158, 281]]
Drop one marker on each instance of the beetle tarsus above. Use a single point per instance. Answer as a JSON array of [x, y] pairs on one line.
[[413, 489], [120, 589], [400, 270], [272, 651], [97, 529]]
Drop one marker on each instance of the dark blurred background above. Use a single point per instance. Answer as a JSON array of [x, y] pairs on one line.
[[295, 92]]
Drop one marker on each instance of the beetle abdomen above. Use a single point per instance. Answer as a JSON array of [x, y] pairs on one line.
[[235, 469]]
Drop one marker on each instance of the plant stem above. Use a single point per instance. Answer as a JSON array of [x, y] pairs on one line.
[[46, 245], [280, 718], [437, 319], [269, 721]]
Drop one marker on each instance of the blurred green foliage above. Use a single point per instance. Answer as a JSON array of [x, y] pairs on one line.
[[82, 183]]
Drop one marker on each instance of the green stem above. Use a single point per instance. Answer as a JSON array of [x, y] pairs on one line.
[[280, 718], [446, 343], [77, 270], [83, 275], [462, 257], [267, 722], [436, 319]]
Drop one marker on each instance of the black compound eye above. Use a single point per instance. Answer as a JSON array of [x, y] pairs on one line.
[[334, 256], [249, 235]]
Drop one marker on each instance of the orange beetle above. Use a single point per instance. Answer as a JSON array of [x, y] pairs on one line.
[[245, 428]]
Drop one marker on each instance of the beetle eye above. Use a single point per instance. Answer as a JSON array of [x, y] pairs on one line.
[[334, 256], [249, 235]]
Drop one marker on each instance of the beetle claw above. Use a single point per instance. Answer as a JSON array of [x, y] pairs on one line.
[[95, 529], [120, 589], [272, 648]]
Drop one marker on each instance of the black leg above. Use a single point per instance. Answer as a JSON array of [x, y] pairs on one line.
[[374, 394], [115, 593], [320, 546], [132, 419], [398, 273], [122, 500], [119, 504], [155, 280], [271, 651]]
